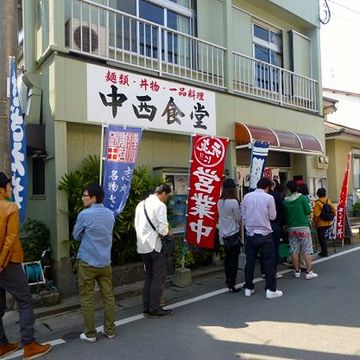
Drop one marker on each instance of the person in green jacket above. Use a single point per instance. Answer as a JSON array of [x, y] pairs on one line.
[[297, 209]]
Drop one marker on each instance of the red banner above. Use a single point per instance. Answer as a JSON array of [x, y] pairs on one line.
[[207, 167], [340, 213]]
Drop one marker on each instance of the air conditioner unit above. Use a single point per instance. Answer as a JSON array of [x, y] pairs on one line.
[[80, 36], [319, 161]]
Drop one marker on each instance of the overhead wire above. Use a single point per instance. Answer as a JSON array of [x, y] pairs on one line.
[[345, 7]]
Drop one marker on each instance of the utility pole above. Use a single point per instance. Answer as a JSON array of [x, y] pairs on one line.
[[9, 47]]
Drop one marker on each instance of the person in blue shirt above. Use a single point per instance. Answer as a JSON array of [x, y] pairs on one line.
[[93, 228]]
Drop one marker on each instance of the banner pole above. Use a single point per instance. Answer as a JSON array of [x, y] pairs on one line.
[[101, 153], [184, 243], [241, 199]]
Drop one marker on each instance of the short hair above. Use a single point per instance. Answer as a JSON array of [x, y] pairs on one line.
[[303, 189], [163, 188], [95, 190], [4, 180], [321, 192], [277, 186], [291, 186], [263, 183]]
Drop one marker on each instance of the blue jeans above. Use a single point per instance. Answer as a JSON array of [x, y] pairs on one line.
[[14, 281], [265, 244]]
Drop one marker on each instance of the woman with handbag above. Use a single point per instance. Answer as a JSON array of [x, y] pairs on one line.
[[229, 237]]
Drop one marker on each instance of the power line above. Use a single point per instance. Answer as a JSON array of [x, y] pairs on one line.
[[345, 7]]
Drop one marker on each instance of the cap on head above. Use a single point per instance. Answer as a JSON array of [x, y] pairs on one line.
[[4, 180], [229, 183]]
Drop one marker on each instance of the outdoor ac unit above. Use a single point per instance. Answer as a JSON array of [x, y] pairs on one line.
[[320, 161], [78, 35]]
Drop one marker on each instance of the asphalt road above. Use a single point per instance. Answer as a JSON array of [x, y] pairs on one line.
[[315, 319]]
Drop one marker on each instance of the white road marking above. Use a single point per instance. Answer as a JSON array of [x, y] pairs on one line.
[[190, 301]]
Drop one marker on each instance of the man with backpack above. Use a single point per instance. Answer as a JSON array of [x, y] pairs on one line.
[[323, 215]]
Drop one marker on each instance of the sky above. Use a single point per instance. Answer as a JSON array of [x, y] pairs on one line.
[[340, 46]]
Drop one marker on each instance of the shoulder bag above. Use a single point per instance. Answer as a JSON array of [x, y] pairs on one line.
[[168, 242]]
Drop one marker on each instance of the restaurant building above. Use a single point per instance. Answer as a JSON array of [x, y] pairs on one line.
[[246, 70]]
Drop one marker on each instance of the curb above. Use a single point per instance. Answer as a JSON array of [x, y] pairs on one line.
[[120, 292]]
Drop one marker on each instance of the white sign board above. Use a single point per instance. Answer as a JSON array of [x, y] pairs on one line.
[[123, 98]]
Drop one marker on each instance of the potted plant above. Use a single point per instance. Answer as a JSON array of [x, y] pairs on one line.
[[356, 209]]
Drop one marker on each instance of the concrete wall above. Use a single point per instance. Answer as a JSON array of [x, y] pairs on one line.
[[308, 10], [230, 109], [348, 109], [337, 151]]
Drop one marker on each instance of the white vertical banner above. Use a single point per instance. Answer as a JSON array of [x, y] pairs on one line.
[[259, 153]]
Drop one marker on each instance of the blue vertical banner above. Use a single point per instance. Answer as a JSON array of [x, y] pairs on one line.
[[259, 153], [17, 142], [121, 148]]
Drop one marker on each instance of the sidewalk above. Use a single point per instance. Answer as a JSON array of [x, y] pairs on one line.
[[124, 292], [64, 321], [132, 291], [207, 278]]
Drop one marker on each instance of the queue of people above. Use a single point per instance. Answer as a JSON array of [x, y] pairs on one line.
[[264, 212], [270, 214]]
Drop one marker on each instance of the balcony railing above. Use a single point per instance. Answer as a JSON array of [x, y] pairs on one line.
[[262, 80], [100, 31], [104, 32]]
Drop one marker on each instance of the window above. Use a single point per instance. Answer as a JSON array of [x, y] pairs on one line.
[[168, 17], [133, 36], [38, 176], [267, 45], [356, 168]]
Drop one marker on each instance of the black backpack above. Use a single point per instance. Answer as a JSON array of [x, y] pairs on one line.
[[326, 212]]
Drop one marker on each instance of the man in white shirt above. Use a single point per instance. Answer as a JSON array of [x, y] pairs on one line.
[[150, 247], [258, 209]]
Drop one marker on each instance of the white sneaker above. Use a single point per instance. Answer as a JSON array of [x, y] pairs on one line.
[[108, 335], [273, 294], [248, 292], [85, 338], [297, 273], [311, 275]]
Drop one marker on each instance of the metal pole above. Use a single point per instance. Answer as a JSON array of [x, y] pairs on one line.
[[9, 47], [101, 152], [184, 242]]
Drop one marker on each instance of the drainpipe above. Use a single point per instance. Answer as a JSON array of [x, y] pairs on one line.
[[229, 67]]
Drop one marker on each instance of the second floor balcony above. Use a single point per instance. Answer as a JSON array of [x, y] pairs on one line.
[[100, 31]]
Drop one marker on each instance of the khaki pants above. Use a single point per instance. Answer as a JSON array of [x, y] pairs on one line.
[[86, 278]]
